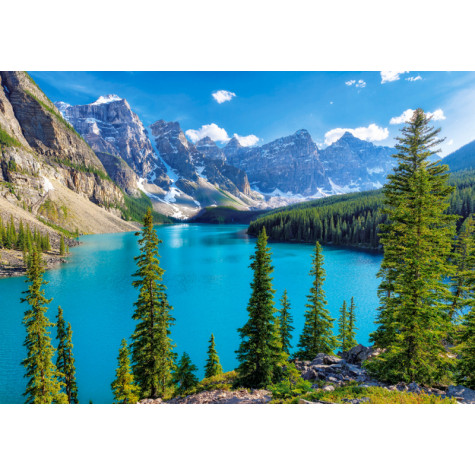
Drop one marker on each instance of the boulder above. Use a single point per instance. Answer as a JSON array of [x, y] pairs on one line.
[[360, 353], [328, 388], [467, 395], [330, 360], [318, 360], [414, 388]]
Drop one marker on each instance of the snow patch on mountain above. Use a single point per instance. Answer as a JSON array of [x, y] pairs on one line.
[[106, 99]]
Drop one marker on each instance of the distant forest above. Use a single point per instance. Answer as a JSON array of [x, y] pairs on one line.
[[352, 219]]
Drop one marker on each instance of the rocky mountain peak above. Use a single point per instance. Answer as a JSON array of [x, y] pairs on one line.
[[111, 127], [209, 149]]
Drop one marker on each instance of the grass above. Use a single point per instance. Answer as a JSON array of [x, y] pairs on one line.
[[7, 140], [83, 168], [223, 381], [67, 233], [376, 395]]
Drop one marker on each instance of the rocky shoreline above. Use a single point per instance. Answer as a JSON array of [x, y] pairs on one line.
[[11, 262]]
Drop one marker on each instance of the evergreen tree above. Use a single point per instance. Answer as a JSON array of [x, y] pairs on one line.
[[124, 387], [317, 336], [260, 352], [464, 261], [152, 348], [285, 320], [183, 375], [213, 367], [465, 370], [413, 314], [65, 359], [343, 328], [351, 337], [44, 386], [62, 248]]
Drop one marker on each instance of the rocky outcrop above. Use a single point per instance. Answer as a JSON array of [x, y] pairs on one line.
[[329, 372], [111, 127]]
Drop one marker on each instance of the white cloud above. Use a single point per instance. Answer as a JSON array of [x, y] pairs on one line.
[[223, 96], [247, 140], [212, 131], [331, 102], [372, 133], [414, 78], [390, 76], [438, 114], [354, 82], [449, 142]]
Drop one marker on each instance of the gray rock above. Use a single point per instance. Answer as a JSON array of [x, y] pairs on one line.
[[414, 388], [328, 388], [331, 360], [467, 395], [360, 353], [310, 374], [318, 360]]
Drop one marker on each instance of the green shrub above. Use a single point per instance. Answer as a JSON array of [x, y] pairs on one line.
[[291, 385]]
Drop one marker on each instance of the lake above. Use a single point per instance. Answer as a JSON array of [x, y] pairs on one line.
[[207, 275]]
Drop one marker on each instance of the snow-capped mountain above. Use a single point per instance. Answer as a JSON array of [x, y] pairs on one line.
[[110, 127], [289, 164], [352, 164], [200, 173], [182, 177]]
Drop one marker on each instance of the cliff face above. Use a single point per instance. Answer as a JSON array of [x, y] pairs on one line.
[[38, 147], [110, 126]]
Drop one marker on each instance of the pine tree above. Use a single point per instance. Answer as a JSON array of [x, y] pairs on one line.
[[213, 367], [465, 370], [124, 387], [317, 336], [65, 359], [44, 386], [464, 260], [260, 352], [285, 320], [62, 248], [417, 239], [343, 327], [152, 349], [183, 375], [351, 337]]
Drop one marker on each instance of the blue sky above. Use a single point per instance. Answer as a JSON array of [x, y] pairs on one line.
[[268, 105]]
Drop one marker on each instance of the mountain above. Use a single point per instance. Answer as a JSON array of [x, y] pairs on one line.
[[287, 165], [352, 164], [112, 129], [293, 165], [47, 169], [181, 177], [461, 159], [200, 175]]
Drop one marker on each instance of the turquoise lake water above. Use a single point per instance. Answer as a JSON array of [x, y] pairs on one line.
[[208, 279]]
